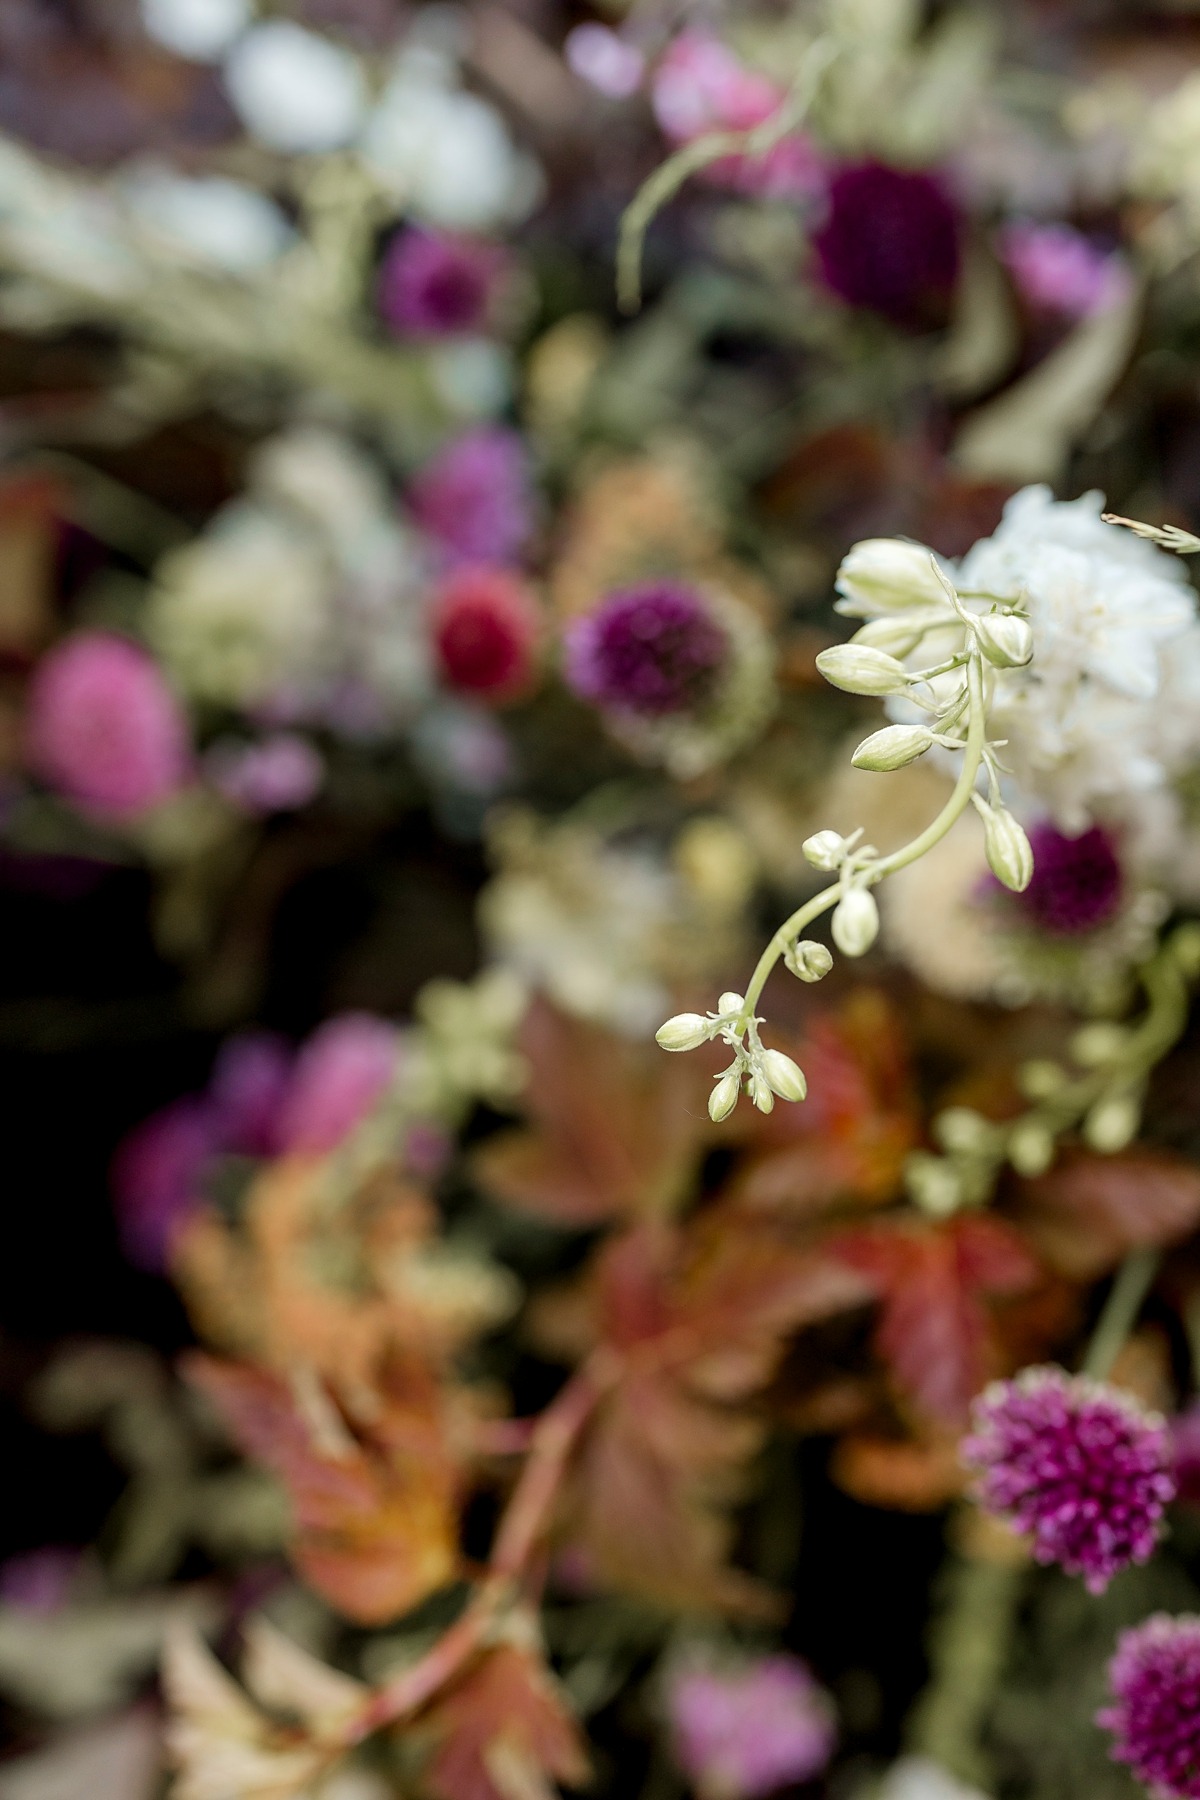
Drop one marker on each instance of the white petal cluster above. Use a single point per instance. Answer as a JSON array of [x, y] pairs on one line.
[[1092, 723], [294, 90]]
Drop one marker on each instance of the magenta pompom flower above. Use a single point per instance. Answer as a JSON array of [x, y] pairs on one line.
[[475, 498], [104, 728], [1155, 1680], [746, 1732], [647, 650], [1076, 1465], [432, 285]]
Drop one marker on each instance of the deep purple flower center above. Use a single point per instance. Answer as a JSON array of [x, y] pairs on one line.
[[890, 242], [651, 649], [1077, 883]]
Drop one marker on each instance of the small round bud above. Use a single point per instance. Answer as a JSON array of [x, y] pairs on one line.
[[810, 961], [933, 1184], [1030, 1148], [892, 748], [783, 1075], [730, 1003], [882, 574], [825, 850], [760, 1093], [857, 669], [1041, 1078], [1098, 1044], [962, 1130], [855, 923], [1009, 854], [724, 1096], [1005, 639], [897, 633], [1112, 1123], [686, 1031]]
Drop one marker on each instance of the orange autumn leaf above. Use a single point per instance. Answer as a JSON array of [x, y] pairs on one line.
[[505, 1732], [375, 1515], [617, 1127], [901, 1474]]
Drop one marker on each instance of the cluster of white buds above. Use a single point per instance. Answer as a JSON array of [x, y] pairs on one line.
[[765, 1073], [907, 604]]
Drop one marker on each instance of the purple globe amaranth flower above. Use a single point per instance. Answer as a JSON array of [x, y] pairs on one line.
[[433, 285], [1074, 1464], [1155, 1680], [1057, 269], [248, 1087], [475, 497], [890, 241], [157, 1177], [743, 1733], [1077, 882], [279, 773], [649, 650], [340, 1073]]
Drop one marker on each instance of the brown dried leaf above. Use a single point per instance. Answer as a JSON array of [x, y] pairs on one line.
[[505, 1732]]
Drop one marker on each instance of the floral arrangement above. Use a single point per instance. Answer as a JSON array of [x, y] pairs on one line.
[[498, 507]]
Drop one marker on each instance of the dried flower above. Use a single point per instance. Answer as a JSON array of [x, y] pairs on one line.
[[745, 1732], [651, 649], [1155, 1680], [890, 242], [433, 285], [475, 497], [104, 728], [486, 627], [1077, 1465]]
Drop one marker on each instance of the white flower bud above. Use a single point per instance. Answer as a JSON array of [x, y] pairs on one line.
[[1009, 854], [892, 747], [896, 633], [686, 1031], [962, 1130], [824, 850], [1112, 1123], [730, 1003], [1030, 1147], [1098, 1044], [855, 923], [810, 961], [881, 574], [933, 1184], [1005, 640], [1040, 1079], [783, 1075], [857, 669], [760, 1093], [724, 1096]]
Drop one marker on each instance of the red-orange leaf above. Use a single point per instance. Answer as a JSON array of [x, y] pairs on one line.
[[505, 1733], [1089, 1210]]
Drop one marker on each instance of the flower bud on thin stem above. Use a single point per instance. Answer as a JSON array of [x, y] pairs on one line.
[[809, 960], [855, 923], [783, 1075], [885, 574], [686, 1031], [1112, 1123], [1009, 854], [724, 1096], [1030, 1147], [730, 1003], [892, 748], [857, 669], [1005, 639], [825, 850]]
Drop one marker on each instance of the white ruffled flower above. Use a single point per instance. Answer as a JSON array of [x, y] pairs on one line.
[[445, 153], [294, 90]]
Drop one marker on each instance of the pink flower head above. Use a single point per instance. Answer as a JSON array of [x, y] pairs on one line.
[[1155, 1680], [280, 773], [433, 285], [341, 1072], [1185, 1453], [1076, 1465], [700, 86], [248, 1086], [486, 628], [475, 497], [650, 650], [890, 242], [605, 61], [157, 1175], [742, 1733], [1058, 270], [104, 728]]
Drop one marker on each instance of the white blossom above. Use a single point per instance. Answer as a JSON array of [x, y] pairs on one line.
[[294, 90], [201, 30], [226, 224]]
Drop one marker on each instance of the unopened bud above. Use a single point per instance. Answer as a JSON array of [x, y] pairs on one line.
[[1030, 1148], [730, 1003], [892, 747], [857, 669], [824, 850], [933, 1184], [809, 960], [760, 1093], [855, 923], [1009, 854], [1041, 1078], [724, 1096], [1005, 639], [895, 633], [686, 1031], [1098, 1044], [883, 574], [1112, 1123], [783, 1075], [964, 1131]]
